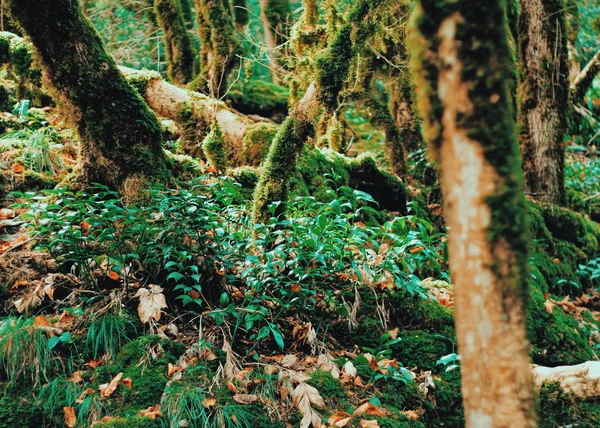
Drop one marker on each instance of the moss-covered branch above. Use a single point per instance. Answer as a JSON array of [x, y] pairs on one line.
[[583, 81]]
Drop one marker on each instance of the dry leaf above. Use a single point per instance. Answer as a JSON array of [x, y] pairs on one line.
[[304, 396], [127, 382], [289, 360], [114, 275], [370, 409], [413, 415], [349, 369], [65, 320], [70, 418], [151, 303], [84, 394], [6, 213], [368, 424], [41, 321], [152, 412], [18, 168], [232, 387], [172, 369], [339, 419], [107, 389], [245, 398], [549, 306], [209, 402], [93, 363], [76, 377]]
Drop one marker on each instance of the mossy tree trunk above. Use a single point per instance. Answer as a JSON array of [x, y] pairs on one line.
[[218, 46], [463, 63], [543, 97], [177, 41], [120, 136]]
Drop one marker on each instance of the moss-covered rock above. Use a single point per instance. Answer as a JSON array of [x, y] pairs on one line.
[[560, 409], [259, 97], [421, 349], [573, 227]]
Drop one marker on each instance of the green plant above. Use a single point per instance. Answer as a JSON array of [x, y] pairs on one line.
[[107, 334], [38, 148]]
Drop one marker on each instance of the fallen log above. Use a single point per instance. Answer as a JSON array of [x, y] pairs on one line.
[[583, 380]]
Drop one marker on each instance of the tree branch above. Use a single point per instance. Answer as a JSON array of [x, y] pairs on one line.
[[582, 82]]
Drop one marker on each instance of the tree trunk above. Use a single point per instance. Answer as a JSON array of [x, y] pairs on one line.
[[178, 45], [218, 46], [120, 136], [543, 97], [462, 63], [273, 15]]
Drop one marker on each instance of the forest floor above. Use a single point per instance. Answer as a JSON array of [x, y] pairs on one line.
[[179, 312]]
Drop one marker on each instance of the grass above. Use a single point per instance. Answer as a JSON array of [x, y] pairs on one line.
[[107, 334]]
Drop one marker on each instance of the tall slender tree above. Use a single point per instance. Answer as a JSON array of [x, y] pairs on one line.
[[462, 62], [177, 41], [543, 97], [120, 136]]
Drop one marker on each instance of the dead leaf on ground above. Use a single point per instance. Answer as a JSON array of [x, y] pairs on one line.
[[231, 386], [152, 412], [65, 320], [304, 396], [76, 377], [413, 415], [370, 409], [339, 419], [172, 369], [18, 168], [93, 363], [151, 303], [368, 424], [6, 213], [107, 389], [127, 383], [289, 360], [70, 418], [209, 402], [549, 306], [245, 398]]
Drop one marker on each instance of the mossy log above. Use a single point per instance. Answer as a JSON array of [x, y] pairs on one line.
[[582, 380], [120, 135], [583, 81], [194, 113], [177, 41], [463, 66]]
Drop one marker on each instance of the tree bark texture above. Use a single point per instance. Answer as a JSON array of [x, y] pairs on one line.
[[462, 63], [120, 135], [543, 97]]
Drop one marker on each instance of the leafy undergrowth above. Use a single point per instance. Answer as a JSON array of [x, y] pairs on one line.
[[180, 312]]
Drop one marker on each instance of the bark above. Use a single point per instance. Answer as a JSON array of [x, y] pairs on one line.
[[218, 46], [120, 135], [178, 45], [543, 97], [584, 80], [462, 63], [273, 14], [582, 380]]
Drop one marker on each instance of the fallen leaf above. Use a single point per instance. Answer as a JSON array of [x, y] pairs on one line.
[[85, 225], [127, 382], [152, 412], [76, 377], [70, 418], [245, 398], [114, 275], [172, 369], [289, 360], [151, 303], [232, 387], [549, 306], [18, 168], [84, 394], [296, 288], [65, 320], [93, 363], [6, 213], [370, 409], [412, 415], [41, 321], [368, 424], [304, 396], [209, 402], [339, 419], [349, 369], [107, 389]]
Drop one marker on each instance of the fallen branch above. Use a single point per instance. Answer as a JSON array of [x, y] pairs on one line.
[[582, 82], [582, 380]]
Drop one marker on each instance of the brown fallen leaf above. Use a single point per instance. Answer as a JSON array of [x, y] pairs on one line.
[[209, 402], [549, 306], [231, 386], [370, 409], [127, 383], [151, 303], [6, 213], [84, 394], [93, 363], [172, 369], [18, 168], [41, 321], [76, 377], [152, 412], [339, 419], [368, 424], [289, 360], [70, 418], [114, 275], [245, 398], [107, 389], [65, 320], [413, 415]]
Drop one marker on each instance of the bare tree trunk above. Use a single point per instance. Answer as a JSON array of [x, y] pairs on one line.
[[273, 15], [462, 63], [178, 45], [120, 135], [543, 97]]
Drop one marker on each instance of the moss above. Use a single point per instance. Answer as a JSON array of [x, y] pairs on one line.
[[20, 410], [332, 67], [447, 409], [130, 422], [558, 408], [213, 147], [555, 338], [573, 227], [421, 349], [259, 97], [134, 351], [256, 142], [176, 39], [329, 387]]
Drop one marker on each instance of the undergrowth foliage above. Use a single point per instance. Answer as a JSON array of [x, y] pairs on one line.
[[198, 244]]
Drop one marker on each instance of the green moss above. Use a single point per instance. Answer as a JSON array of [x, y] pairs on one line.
[[558, 408], [332, 67], [447, 409], [573, 227], [20, 410], [259, 97], [256, 142], [176, 39], [213, 147], [329, 387], [421, 349], [240, 13], [134, 351], [130, 422], [555, 338]]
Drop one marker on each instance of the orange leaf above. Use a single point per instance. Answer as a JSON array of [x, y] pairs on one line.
[[113, 275], [85, 225], [41, 321], [70, 418], [232, 387], [65, 320], [76, 377], [93, 363], [127, 382], [296, 288], [172, 369], [107, 389], [18, 168], [370, 409], [416, 250], [152, 412], [209, 402]]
